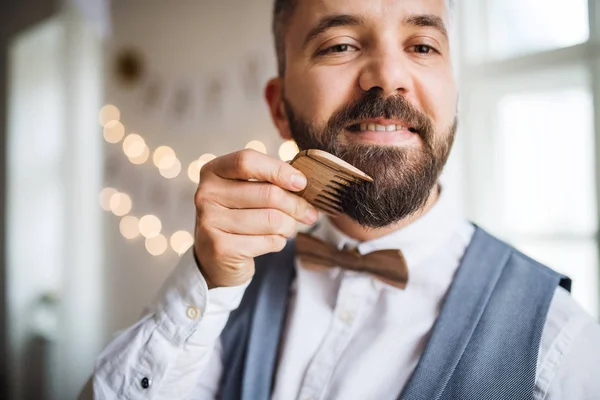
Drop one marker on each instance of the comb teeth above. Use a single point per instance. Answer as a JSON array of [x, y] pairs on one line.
[[326, 197], [328, 179], [327, 207]]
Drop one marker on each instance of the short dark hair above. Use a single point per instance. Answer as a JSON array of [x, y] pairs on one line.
[[282, 11]]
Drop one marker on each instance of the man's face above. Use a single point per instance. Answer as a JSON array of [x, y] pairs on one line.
[[372, 82]]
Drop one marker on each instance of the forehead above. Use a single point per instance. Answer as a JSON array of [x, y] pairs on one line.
[[383, 11]]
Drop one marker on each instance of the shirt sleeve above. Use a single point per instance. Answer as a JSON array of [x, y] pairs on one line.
[[569, 353], [165, 354]]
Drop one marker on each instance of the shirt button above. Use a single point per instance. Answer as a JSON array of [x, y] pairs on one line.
[[192, 312], [145, 383], [346, 316]]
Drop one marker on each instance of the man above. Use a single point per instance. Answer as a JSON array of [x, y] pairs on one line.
[[243, 316]]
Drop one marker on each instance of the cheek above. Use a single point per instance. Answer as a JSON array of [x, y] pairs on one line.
[[320, 92], [437, 94]]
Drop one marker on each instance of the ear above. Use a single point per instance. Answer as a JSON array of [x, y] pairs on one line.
[[274, 97]]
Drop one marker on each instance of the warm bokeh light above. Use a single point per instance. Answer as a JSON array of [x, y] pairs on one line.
[[204, 159], [288, 150], [181, 241], [194, 171], [113, 131], [120, 204], [108, 113], [258, 146], [134, 145], [105, 195], [196, 166], [164, 157], [156, 245], [173, 171], [129, 227], [150, 226], [142, 158]]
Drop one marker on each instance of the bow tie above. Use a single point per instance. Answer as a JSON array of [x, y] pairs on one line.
[[387, 265]]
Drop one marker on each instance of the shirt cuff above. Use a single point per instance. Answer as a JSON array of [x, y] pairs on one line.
[[185, 302]]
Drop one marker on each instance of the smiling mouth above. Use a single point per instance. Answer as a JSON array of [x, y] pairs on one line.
[[380, 128]]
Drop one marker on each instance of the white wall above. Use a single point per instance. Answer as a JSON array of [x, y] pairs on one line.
[[185, 44]]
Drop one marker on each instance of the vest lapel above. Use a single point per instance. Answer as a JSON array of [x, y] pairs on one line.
[[483, 261], [267, 322]]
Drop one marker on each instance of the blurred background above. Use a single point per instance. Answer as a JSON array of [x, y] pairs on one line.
[[108, 111]]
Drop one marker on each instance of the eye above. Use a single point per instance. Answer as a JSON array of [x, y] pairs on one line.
[[338, 48], [423, 49]]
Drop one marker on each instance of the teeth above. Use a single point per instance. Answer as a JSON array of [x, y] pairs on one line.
[[381, 128]]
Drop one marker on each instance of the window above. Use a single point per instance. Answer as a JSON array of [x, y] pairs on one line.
[[530, 121]]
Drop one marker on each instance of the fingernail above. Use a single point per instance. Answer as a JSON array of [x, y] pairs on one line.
[[299, 181]]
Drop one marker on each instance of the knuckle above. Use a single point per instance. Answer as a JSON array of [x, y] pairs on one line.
[[273, 195], [300, 208], [241, 161], [277, 243], [274, 220], [280, 173]]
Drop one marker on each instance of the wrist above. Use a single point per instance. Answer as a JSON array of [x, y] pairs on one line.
[[199, 266]]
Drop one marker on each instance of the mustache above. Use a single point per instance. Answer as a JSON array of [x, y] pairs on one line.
[[373, 105]]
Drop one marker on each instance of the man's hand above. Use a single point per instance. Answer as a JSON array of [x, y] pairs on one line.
[[238, 219]]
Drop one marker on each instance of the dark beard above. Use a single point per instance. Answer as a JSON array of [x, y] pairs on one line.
[[403, 177]]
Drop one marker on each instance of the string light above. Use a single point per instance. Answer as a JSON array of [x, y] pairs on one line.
[[173, 171], [205, 158], [133, 145], [288, 150], [105, 195], [196, 166], [113, 131], [257, 145], [164, 157], [181, 241], [129, 227], [142, 158], [108, 113], [120, 204], [150, 226], [156, 245]]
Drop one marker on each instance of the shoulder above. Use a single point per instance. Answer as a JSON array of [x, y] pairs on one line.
[[569, 351]]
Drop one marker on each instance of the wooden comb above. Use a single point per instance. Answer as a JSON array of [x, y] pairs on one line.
[[328, 178]]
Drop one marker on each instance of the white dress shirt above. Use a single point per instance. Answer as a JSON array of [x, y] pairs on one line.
[[346, 336]]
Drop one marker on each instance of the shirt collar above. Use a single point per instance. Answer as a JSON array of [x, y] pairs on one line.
[[417, 240]]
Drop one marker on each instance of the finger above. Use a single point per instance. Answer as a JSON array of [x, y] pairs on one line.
[[252, 195], [251, 164], [243, 247], [256, 222]]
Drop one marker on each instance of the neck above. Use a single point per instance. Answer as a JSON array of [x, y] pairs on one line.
[[354, 230]]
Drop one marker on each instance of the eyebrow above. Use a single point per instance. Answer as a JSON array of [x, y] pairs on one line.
[[427, 20], [338, 20], [332, 21]]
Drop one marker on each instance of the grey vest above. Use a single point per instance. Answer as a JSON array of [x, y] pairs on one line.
[[484, 344]]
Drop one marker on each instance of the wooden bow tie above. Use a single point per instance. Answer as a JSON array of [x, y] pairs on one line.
[[387, 265]]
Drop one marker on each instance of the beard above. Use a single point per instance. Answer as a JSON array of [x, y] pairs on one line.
[[403, 177]]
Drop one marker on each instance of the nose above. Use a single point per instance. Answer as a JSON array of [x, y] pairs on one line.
[[386, 72]]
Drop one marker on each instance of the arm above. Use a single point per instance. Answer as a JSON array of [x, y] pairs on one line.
[[165, 354], [245, 207], [569, 354]]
